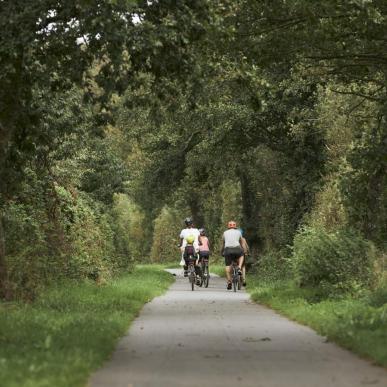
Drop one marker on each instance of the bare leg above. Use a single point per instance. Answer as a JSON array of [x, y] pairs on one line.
[[241, 261], [228, 273]]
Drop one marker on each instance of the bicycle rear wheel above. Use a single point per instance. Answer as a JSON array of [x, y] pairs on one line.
[[239, 282], [234, 281], [201, 275], [206, 276], [192, 276]]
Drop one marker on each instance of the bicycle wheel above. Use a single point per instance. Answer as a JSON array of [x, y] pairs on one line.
[[192, 278], [201, 275], [239, 281], [234, 281], [206, 276]]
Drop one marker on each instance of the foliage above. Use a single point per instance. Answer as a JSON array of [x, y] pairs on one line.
[[364, 182], [129, 229], [333, 262], [63, 67], [71, 328], [117, 119], [273, 266], [80, 244], [166, 237], [105, 173], [328, 212]]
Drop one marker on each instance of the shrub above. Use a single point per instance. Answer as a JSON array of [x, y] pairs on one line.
[[67, 235], [378, 297], [335, 262], [27, 258], [273, 266]]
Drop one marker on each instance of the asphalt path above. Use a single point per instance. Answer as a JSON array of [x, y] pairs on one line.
[[214, 337]]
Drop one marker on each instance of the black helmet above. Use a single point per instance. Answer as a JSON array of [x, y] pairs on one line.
[[188, 221], [202, 231]]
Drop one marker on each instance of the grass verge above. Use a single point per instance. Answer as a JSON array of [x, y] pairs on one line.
[[72, 328], [357, 324], [219, 269]]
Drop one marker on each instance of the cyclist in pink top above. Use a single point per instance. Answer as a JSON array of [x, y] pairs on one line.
[[204, 244]]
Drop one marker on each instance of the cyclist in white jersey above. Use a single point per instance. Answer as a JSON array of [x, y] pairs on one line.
[[186, 232]]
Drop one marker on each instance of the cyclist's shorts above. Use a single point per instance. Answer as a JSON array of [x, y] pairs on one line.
[[204, 254], [232, 254]]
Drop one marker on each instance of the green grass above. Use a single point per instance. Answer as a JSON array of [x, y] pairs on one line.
[[71, 329], [357, 324], [218, 269]]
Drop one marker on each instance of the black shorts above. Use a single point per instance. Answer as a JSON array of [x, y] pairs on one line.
[[204, 254], [232, 254]]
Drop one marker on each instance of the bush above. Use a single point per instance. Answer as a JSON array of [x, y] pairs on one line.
[[378, 297], [335, 262], [273, 266], [65, 235]]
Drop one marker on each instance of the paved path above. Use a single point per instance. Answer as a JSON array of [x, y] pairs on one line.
[[213, 337]]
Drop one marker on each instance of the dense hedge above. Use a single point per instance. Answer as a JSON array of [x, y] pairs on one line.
[[334, 262], [79, 239]]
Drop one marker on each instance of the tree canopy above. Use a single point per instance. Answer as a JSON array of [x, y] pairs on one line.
[[269, 112]]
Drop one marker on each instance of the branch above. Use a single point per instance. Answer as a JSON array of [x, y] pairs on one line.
[[374, 57], [369, 97], [189, 142]]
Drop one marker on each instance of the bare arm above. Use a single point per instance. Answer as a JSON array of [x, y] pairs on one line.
[[222, 249]]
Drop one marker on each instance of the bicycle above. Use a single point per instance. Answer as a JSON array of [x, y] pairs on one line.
[[204, 272], [236, 277], [191, 271]]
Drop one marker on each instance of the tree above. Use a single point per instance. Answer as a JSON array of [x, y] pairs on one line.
[[52, 46]]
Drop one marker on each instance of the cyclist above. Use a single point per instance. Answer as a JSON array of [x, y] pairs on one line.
[[190, 251], [232, 249], [246, 252], [189, 230], [204, 245]]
